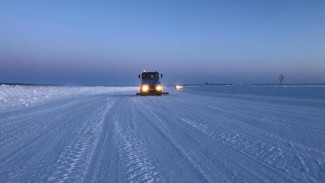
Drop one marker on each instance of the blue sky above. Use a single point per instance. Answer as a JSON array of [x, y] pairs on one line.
[[111, 42]]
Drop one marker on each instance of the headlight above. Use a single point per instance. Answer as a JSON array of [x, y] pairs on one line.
[[178, 87], [158, 88], [144, 88]]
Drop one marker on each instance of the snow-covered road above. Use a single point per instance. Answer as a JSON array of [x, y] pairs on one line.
[[192, 135]]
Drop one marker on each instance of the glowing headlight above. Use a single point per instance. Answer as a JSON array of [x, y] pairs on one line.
[[158, 88], [144, 88], [178, 86]]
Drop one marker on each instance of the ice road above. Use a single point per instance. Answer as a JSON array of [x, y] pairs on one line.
[[198, 134]]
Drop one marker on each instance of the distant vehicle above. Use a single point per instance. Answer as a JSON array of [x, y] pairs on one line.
[[178, 86], [150, 84]]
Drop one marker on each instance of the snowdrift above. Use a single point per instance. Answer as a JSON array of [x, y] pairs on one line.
[[15, 96]]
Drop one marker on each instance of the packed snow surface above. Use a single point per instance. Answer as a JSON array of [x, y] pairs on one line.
[[15, 96], [198, 134]]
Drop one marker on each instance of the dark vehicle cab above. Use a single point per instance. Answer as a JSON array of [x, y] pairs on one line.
[[150, 84]]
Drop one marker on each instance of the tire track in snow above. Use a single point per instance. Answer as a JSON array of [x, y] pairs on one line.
[[72, 165], [282, 159], [206, 130], [200, 163], [31, 153], [20, 133], [236, 142], [296, 161], [32, 127], [241, 126], [248, 108], [136, 159]]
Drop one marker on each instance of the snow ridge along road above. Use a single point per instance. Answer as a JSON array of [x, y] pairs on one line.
[[198, 134]]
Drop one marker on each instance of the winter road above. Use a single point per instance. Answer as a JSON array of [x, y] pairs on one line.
[[187, 136]]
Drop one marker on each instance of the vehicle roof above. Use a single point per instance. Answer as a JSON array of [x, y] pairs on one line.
[[149, 72]]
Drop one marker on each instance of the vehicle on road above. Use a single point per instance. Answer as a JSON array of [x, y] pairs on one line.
[[178, 86], [150, 84]]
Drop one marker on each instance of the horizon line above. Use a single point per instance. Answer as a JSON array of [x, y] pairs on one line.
[[184, 84]]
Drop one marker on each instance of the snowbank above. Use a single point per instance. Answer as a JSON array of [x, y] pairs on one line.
[[290, 91], [15, 96]]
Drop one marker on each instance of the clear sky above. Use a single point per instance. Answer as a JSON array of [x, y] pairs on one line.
[[190, 41]]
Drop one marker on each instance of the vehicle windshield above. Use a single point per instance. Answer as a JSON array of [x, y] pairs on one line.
[[150, 75]]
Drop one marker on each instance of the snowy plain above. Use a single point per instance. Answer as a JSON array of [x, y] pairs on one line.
[[198, 134]]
